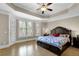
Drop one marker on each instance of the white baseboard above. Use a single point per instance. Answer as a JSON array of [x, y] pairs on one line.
[[10, 44], [6, 46], [24, 40]]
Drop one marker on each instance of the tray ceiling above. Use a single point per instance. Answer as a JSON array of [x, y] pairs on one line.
[[31, 7], [68, 11]]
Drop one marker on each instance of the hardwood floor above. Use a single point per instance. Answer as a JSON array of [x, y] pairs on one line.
[[30, 48]]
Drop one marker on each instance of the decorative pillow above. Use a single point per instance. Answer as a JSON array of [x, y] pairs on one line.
[[67, 35], [64, 35], [56, 35]]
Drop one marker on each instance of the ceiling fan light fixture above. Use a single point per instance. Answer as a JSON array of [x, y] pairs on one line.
[[43, 9]]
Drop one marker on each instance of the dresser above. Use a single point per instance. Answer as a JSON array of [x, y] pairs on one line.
[[75, 42]]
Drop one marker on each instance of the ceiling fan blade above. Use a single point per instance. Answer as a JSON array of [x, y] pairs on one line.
[[49, 4], [42, 12], [49, 9]]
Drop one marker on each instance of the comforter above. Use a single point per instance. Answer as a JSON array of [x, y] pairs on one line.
[[55, 41]]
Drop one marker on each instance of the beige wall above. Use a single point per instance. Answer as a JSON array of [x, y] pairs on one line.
[[71, 23], [4, 39]]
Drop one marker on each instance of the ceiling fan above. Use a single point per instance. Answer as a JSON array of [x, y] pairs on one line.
[[44, 7]]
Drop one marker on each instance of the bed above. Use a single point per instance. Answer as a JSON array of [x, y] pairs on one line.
[[56, 45]]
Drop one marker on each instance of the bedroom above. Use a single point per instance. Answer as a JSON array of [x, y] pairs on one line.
[[22, 24]]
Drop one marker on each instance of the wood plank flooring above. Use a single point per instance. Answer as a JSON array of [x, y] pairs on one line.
[[30, 48]]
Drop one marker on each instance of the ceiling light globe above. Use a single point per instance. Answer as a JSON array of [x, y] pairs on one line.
[[43, 9]]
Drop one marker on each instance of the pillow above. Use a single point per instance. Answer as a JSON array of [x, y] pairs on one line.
[[64, 35], [67, 35], [56, 35]]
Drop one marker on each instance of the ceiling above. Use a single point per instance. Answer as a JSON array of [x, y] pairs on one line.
[[31, 7], [61, 11]]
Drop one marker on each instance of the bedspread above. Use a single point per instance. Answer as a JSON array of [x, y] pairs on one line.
[[55, 41]]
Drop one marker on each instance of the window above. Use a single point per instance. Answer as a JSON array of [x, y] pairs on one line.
[[22, 28], [38, 29], [29, 29]]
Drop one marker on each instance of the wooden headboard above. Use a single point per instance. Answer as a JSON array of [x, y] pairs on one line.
[[61, 30]]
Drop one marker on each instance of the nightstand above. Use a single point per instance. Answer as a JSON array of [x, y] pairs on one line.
[[76, 42], [46, 34]]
